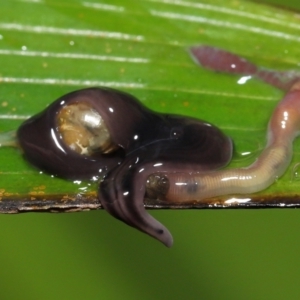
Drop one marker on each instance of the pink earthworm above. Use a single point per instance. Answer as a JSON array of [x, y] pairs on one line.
[[283, 128]]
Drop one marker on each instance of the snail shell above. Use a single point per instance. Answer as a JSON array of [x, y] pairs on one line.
[[82, 134]]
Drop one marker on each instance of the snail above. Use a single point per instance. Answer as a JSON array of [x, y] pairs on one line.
[[108, 133], [70, 139]]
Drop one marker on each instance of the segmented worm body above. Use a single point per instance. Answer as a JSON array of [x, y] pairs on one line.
[[283, 127]]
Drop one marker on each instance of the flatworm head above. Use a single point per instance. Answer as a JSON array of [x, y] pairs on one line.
[[181, 144]]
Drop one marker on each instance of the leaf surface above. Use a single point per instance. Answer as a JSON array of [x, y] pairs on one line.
[[48, 48]]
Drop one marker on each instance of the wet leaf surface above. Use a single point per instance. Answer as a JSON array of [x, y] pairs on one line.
[[48, 48]]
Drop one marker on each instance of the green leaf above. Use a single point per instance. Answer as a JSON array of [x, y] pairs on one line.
[[48, 48]]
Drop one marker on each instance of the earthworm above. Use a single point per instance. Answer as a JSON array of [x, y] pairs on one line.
[[283, 128]]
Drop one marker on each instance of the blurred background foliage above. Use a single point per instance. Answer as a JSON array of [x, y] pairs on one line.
[[218, 254]]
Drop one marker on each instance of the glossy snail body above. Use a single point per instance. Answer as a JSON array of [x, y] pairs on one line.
[[101, 131]]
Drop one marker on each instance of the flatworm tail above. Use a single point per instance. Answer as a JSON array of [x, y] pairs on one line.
[[220, 60]]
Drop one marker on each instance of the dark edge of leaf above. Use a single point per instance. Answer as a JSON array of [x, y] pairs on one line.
[[75, 203]]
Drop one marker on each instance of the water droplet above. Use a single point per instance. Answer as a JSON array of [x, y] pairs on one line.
[[244, 79], [246, 149], [237, 200], [295, 173]]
